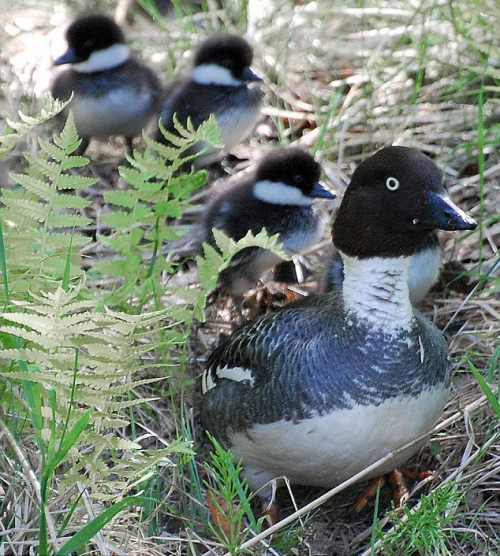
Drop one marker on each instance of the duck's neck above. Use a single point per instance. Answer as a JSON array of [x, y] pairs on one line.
[[376, 291]]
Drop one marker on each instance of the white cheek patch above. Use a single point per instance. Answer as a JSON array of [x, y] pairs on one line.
[[101, 60], [213, 74], [279, 193]]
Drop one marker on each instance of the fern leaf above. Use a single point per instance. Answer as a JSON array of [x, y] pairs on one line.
[[182, 187], [47, 168], [209, 132], [39, 323], [50, 108], [158, 168], [36, 186], [68, 139], [59, 242], [70, 181], [230, 247], [125, 388], [29, 336], [135, 177], [121, 198], [118, 219], [52, 150], [209, 266], [56, 220], [30, 355], [178, 141], [119, 406], [64, 202], [30, 209]]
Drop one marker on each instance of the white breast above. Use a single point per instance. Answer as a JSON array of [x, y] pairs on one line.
[[328, 449], [121, 112], [236, 125], [425, 267]]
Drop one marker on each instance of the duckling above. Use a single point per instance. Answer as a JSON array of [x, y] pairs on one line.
[[278, 196], [113, 94], [220, 84], [329, 384]]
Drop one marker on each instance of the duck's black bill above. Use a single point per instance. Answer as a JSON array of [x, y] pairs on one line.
[[440, 213]]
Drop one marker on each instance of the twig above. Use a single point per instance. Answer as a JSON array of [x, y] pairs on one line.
[[32, 478], [355, 478]]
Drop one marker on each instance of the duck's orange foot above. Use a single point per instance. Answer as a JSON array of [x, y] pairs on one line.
[[369, 492], [396, 480], [271, 512]]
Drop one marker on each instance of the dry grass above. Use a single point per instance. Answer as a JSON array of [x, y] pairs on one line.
[[342, 80]]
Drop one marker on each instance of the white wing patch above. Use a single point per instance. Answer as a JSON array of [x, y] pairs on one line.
[[238, 374], [207, 382]]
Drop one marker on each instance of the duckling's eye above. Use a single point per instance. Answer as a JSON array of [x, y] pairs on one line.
[[298, 179], [392, 183]]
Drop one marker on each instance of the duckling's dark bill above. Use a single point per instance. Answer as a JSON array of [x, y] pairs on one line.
[[319, 190]]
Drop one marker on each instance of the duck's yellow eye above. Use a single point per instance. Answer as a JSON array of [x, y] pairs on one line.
[[392, 184]]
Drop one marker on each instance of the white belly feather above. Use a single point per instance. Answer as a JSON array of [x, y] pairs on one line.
[[326, 450]]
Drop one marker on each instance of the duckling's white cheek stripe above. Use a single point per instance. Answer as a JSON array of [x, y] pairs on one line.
[[279, 193], [212, 74], [101, 60], [238, 374]]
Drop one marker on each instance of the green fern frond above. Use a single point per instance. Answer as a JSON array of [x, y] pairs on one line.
[[29, 355], [216, 260], [54, 327], [210, 266], [140, 217], [50, 108], [207, 133], [36, 216], [229, 247]]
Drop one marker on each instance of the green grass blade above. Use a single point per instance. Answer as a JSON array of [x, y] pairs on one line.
[[98, 523], [490, 395], [66, 444]]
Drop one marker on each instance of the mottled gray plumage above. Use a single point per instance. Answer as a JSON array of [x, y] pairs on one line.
[[307, 360]]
